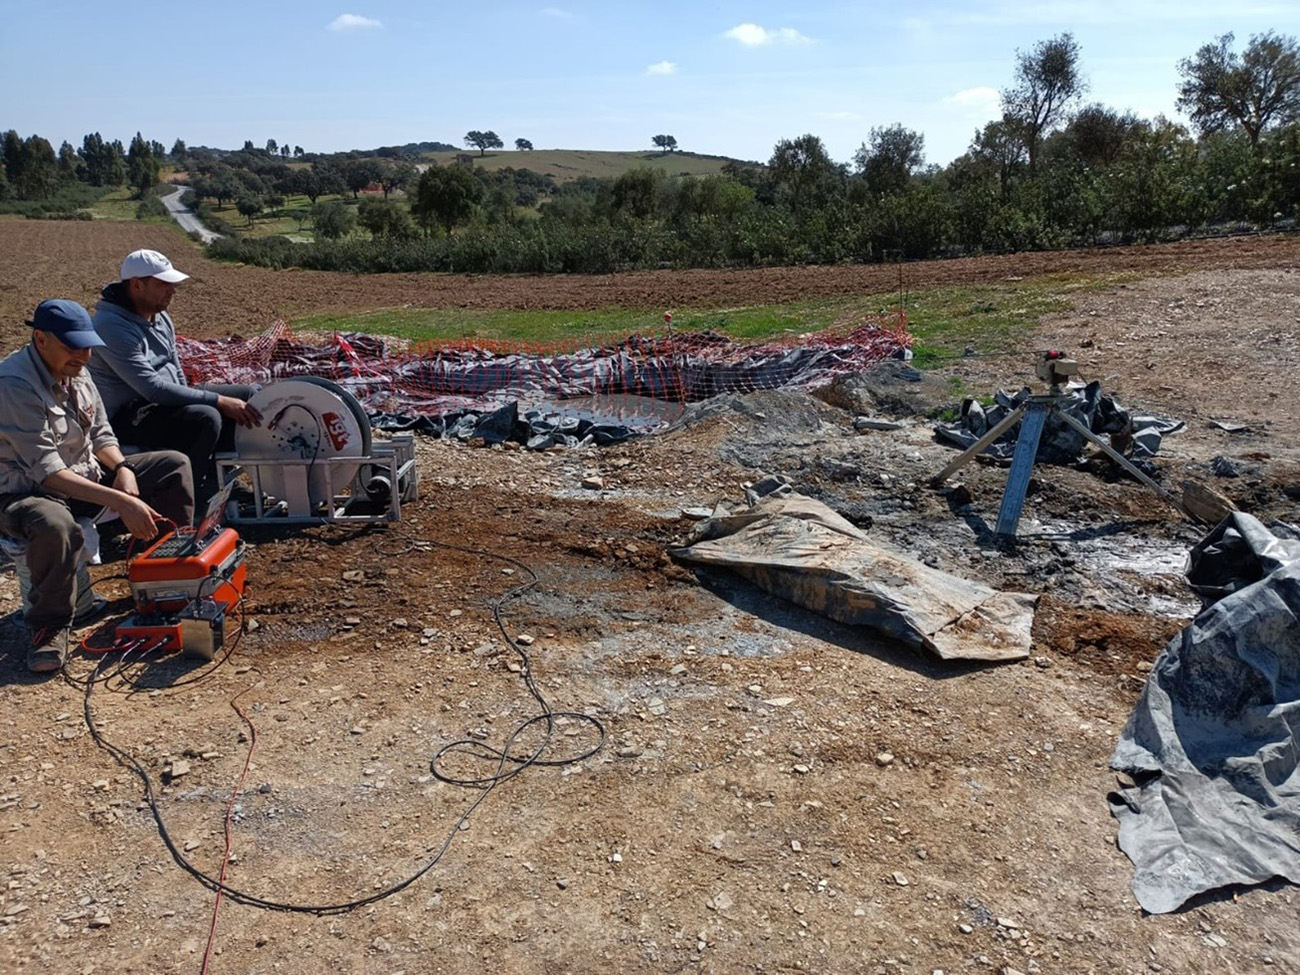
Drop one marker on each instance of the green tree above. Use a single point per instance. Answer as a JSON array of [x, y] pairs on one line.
[[249, 206], [999, 147], [37, 169], [13, 154], [1153, 185], [333, 220], [1097, 134], [221, 184], [483, 141], [637, 192], [396, 176], [272, 147], [329, 181], [804, 173], [70, 165], [710, 199], [523, 145], [1254, 90], [887, 161], [105, 162], [445, 196], [116, 154], [1047, 81], [178, 152], [358, 174], [664, 143], [141, 165], [385, 218], [500, 196]]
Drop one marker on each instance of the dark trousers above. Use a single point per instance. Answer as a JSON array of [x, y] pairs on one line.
[[47, 524], [197, 430]]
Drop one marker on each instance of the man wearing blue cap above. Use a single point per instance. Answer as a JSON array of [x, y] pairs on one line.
[[150, 404], [59, 460]]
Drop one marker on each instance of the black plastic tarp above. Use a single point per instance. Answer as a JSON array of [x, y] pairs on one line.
[[1136, 436], [1213, 744]]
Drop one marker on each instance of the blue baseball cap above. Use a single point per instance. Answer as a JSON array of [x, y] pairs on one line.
[[68, 322]]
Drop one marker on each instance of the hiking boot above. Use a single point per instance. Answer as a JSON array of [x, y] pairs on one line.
[[48, 650]]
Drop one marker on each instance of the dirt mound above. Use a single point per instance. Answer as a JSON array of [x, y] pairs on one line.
[[892, 387]]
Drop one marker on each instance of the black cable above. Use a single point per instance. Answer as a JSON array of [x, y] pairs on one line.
[[502, 757], [320, 436]]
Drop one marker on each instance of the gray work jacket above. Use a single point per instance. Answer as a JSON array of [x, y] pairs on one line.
[[45, 426]]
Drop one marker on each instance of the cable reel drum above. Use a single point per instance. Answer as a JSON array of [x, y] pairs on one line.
[[314, 442]]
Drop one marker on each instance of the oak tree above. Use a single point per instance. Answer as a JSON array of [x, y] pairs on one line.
[[1255, 90], [1047, 81], [483, 141]]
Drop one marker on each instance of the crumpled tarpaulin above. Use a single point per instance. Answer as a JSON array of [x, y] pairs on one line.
[[801, 550], [1213, 744], [1136, 436]]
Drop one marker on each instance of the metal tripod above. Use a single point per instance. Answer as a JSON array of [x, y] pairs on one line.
[[1034, 411]]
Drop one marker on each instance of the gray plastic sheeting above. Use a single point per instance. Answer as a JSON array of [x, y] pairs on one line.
[[1214, 742], [1137, 437], [801, 550]]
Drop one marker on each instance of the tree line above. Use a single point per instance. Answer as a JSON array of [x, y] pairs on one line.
[[1052, 171], [45, 183]]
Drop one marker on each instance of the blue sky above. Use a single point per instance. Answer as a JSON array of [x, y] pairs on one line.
[[730, 78]]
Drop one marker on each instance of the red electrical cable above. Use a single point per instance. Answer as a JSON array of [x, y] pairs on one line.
[[230, 809]]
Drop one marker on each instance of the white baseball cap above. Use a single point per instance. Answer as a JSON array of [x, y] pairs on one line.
[[150, 264]]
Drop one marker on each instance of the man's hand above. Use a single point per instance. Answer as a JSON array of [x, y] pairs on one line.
[[233, 408], [125, 482], [140, 519]]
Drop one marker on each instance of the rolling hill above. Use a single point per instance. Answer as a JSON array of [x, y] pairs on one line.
[[569, 164]]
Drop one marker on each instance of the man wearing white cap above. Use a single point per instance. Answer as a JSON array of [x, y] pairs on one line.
[[139, 375]]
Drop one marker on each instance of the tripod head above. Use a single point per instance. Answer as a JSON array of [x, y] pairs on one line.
[[1054, 367]]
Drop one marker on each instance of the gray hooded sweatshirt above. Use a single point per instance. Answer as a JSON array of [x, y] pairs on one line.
[[138, 363]]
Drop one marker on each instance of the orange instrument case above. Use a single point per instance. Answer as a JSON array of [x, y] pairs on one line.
[[179, 568]]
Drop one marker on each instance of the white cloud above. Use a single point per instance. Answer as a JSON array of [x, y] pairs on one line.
[[353, 22], [752, 35], [662, 67], [982, 100]]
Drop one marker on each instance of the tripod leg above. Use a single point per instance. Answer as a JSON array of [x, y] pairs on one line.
[[966, 455], [1125, 463], [1022, 465]]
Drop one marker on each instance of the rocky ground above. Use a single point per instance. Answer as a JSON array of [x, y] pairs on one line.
[[729, 783]]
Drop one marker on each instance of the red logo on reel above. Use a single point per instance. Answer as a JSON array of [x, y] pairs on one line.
[[337, 431]]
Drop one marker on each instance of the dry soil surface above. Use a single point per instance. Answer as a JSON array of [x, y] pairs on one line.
[[768, 791]]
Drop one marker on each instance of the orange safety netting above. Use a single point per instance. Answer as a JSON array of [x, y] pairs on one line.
[[642, 377]]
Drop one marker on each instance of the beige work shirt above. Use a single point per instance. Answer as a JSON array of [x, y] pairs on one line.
[[47, 426]]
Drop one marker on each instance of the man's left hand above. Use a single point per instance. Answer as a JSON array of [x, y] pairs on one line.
[[236, 409]]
